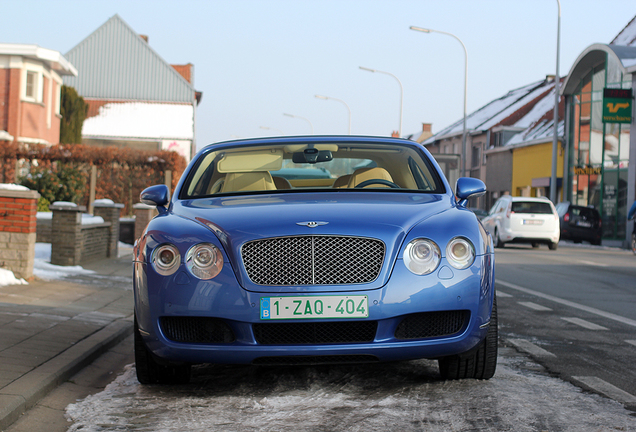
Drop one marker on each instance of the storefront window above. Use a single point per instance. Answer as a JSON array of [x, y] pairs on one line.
[[600, 151]]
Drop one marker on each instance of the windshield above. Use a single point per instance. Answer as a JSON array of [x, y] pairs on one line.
[[293, 167]]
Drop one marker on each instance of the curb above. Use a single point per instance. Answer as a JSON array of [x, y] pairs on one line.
[[26, 391]]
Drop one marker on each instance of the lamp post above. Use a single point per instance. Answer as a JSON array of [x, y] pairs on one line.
[[273, 129], [341, 101], [401, 92], [555, 140], [424, 30], [302, 118]]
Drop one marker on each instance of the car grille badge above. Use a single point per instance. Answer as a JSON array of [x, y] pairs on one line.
[[311, 224]]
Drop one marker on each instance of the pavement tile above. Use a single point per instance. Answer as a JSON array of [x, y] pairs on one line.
[[49, 330]]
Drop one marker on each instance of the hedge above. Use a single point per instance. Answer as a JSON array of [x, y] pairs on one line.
[[122, 173]]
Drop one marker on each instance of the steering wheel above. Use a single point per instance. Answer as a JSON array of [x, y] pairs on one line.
[[376, 181]]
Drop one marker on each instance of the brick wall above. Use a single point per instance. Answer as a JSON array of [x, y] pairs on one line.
[[18, 231], [4, 98], [95, 239], [75, 244], [44, 231]]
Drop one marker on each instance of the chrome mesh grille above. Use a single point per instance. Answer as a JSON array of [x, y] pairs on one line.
[[313, 260]]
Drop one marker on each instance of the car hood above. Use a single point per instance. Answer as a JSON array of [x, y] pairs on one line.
[[385, 216]]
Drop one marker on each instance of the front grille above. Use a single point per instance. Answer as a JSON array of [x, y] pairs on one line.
[[196, 330], [313, 260], [432, 324], [315, 332], [314, 360]]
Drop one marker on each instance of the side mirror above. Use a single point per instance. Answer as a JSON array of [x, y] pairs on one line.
[[468, 187], [157, 195]]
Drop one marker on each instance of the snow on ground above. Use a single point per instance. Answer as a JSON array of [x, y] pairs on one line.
[[43, 268], [400, 396], [8, 278]]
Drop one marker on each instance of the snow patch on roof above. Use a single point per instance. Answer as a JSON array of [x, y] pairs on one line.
[[627, 36], [496, 111], [142, 120]]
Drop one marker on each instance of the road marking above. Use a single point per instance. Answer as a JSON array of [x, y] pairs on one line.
[[593, 263], [633, 342], [530, 348], [606, 389], [535, 306], [502, 294], [591, 310], [586, 324]]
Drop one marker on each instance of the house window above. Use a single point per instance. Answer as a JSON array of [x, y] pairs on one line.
[[58, 98], [33, 87], [31, 84], [476, 156]]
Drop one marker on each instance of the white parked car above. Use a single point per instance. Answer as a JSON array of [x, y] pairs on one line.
[[523, 220]]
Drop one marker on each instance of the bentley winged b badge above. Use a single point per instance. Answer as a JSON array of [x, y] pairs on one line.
[[311, 224]]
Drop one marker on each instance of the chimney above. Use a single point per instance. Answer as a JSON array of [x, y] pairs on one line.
[[426, 132], [144, 37]]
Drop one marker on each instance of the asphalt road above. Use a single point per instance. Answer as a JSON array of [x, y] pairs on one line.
[[574, 311]]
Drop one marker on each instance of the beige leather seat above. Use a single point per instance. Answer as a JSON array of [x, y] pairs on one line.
[[341, 182], [281, 183], [248, 181], [364, 174]]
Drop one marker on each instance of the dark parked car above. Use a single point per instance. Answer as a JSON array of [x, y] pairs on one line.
[[579, 223]]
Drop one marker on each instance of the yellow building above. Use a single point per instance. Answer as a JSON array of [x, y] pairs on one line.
[[532, 168]]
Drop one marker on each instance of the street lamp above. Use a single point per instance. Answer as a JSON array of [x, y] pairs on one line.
[[302, 118], [555, 140], [423, 30], [401, 92], [341, 101], [273, 129]]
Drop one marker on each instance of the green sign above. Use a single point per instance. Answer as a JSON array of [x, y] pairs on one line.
[[617, 105]]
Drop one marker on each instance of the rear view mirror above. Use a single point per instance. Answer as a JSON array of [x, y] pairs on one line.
[[312, 156]]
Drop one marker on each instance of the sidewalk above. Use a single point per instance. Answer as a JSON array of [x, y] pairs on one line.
[[49, 330]]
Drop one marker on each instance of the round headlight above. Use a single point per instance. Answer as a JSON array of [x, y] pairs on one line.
[[166, 259], [422, 256], [204, 260], [460, 253]]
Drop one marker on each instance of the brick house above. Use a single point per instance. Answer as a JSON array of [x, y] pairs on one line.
[[30, 83], [136, 99]]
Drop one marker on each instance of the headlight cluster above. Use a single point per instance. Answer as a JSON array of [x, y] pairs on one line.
[[203, 260], [422, 256]]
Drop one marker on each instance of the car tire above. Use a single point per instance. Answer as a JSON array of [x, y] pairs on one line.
[[497, 240], [149, 371], [535, 245], [553, 245], [478, 363]]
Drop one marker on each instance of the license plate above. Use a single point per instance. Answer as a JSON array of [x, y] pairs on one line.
[[308, 307], [584, 224], [532, 222]]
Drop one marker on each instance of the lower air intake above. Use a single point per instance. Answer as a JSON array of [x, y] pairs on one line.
[[314, 360], [432, 324], [199, 330], [315, 332]]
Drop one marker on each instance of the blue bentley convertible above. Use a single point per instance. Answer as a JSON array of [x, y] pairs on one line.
[[378, 260]]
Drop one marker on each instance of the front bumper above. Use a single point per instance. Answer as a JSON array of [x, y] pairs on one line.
[[405, 294]]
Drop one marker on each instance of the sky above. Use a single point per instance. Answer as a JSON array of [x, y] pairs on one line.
[[255, 60]]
